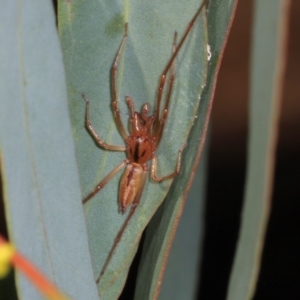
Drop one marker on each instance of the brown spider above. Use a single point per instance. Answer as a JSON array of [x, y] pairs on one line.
[[144, 138]]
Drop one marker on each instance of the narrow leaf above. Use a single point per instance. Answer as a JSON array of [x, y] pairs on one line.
[[182, 270], [267, 69]]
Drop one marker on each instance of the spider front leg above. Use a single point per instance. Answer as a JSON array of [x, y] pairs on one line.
[[114, 86], [92, 131], [172, 175], [160, 124], [157, 125]]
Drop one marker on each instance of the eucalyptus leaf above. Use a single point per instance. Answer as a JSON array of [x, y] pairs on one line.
[[38, 167], [90, 34], [183, 264], [161, 229], [267, 70]]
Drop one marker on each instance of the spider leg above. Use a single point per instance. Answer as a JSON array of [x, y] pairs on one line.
[[104, 181], [168, 66], [175, 173], [114, 86], [92, 131], [158, 127], [124, 226], [130, 105], [145, 110]]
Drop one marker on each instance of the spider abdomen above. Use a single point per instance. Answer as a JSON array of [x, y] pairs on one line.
[[130, 185]]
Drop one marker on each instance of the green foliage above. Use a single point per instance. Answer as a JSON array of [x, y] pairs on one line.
[[267, 69], [43, 173], [39, 173], [89, 55]]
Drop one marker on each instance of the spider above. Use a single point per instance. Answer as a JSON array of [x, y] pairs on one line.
[[145, 133]]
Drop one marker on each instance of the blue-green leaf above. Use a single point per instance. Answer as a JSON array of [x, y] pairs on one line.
[[161, 229], [267, 66], [41, 185], [91, 33]]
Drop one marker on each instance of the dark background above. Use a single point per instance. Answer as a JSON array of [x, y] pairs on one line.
[[279, 276]]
